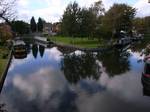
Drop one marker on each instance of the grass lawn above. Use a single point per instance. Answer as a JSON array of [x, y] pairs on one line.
[[79, 42], [3, 59], [2, 66]]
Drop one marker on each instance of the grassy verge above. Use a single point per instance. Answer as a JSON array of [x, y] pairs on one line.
[[3, 59], [79, 42]]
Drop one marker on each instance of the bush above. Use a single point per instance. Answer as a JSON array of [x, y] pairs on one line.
[[5, 55]]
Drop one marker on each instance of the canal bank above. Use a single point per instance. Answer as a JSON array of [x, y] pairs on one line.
[[4, 52], [83, 49], [5, 70]]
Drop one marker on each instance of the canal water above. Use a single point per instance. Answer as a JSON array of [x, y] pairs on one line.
[[56, 80]]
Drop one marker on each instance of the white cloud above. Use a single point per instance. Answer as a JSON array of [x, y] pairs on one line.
[[41, 82], [23, 2], [143, 8]]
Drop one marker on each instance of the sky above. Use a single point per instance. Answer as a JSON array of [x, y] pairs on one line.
[[52, 10]]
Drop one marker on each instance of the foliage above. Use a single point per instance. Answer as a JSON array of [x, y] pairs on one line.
[[20, 27], [116, 62], [33, 25], [83, 22], [142, 25], [87, 23], [40, 25], [5, 33], [119, 17], [70, 26]]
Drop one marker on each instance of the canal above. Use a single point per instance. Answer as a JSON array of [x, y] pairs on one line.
[[56, 80]]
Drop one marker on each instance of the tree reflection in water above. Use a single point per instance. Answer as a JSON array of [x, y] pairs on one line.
[[41, 50], [115, 62], [77, 67], [34, 50]]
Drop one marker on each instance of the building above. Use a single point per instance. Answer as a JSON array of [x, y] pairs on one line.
[[56, 27], [47, 28]]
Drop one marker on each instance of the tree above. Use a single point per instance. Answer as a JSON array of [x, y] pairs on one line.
[[84, 22], [147, 24], [7, 12], [119, 17], [70, 25], [87, 22], [5, 33], [142, 25], [98, 8], [33, 25], [40, 25], [20, 27]]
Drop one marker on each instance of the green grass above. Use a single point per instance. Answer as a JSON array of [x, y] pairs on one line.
[[2, 66], [78, 42], [3, 59]]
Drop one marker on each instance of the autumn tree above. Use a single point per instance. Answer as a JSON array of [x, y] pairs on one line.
[[5, 33]]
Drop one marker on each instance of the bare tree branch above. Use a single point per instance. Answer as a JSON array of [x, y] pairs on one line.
[[7, 10]]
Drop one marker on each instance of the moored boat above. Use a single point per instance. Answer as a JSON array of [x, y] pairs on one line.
[[19, 49], [146, 75]]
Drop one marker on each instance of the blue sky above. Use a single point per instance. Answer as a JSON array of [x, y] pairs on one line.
[[52, 10]]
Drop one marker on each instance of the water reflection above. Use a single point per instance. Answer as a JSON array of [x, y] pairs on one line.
[[35, 50], [75, 82], [28, 47], [20, 55], [44, 89], [115, 62], [77, 67], [66, 50], [41, 50]]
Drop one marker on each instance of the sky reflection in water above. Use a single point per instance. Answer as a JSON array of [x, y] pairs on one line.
[[43, 83]]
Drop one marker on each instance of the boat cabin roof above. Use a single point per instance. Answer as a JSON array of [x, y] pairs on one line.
[[19, 42]]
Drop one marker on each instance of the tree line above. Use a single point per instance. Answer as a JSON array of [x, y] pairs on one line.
[[21, 27], [95, 21], [37, 26], [142, 25]]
